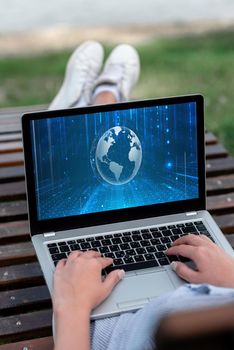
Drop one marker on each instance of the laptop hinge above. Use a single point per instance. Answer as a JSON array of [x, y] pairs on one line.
[[191, 213], [49, 234]]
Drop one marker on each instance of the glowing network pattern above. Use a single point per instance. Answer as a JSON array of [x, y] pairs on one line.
[[66, 184]]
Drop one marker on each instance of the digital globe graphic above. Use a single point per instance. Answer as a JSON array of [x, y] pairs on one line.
[[118, 155]]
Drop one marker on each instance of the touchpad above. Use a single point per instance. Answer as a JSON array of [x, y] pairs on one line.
[[141, 288]]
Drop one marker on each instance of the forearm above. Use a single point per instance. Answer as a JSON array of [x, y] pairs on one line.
[[72, 330]]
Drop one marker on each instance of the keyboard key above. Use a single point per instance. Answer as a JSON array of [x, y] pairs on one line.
[[146, 235], [52, 245], [128, 260], [127, 239], [56, 262], [117, 262], [151, 249], [80, 240], [189, 224], [136, 232], [180, 225], [198, 222], [163, 261], [171, 226], [74, 247], [184, 259], [106, 242], [61, 243], [156, 234], [160, 255], [110, 255], [168, 245], [139, 258], [165, 240], [189, 229], [124, 246], [161, 247], [71, 242], [85, 245], [149, 257], [162, 228], [140, 250], [155, 241], [89, 239], [133, 266], [145, 243], [153, 229], [116, 240], [137, 238], [103, 250], [108, 236], [99, 238], [166, 233], [114, 248], [145, 231], [130, 252], [172, 258], [119, 254], [135, 244], [127, 233], [64, 249], [95, 244], [53, 250], [118, 234], [176, 231], [58, 256]]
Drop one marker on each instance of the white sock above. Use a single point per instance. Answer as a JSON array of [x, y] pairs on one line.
[[113, 88]]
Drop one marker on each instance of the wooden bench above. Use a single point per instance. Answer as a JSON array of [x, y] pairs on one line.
[[25, 305]]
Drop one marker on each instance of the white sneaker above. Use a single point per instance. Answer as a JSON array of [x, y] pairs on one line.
[[81, 72], [122, 69]]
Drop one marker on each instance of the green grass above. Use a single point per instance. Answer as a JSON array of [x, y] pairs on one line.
[[201, 63]]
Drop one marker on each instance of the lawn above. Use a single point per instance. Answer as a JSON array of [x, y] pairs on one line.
[[175, 66]]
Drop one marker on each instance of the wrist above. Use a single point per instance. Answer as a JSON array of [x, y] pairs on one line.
[[62, 310]]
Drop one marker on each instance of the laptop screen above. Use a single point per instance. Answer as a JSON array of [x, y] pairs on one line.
[[110, 160]]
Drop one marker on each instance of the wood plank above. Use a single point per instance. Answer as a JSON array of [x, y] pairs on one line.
[[16, 210], [221, 166], [45, 343], [13, 190], [17, 253], [14, 112], [11, 159], [23, 326], [14, 231], [215, 151], [9, 174], [219, 185], [221, 204], [16, 276], [11, 137], [26, 299], [11, 147], [10, 128], [225, 222], [210, 138]]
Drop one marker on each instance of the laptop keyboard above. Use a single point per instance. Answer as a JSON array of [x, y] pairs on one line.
[[131, 250]]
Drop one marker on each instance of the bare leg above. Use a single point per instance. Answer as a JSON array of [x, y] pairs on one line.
[[104, 97]]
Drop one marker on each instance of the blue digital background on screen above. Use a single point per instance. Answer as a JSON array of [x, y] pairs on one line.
[[113, 160]]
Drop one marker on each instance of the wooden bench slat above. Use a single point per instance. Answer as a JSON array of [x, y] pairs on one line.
[[11, 147], [11, 137], [210, 138], [215, 151], [13, 190], [22, 300], [15, 210], [10, 128], [225, 222], [11, 159], [221, 166], [14, 231], [221, 204], [31, 344], [23, 326], [219, 185], [9, 174], [16, 253], [14, 276]]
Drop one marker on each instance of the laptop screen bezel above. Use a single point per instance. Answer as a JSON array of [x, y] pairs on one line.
[[118, 215]]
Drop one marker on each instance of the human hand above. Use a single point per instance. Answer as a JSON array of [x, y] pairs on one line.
[[213, 264], [78, 282]]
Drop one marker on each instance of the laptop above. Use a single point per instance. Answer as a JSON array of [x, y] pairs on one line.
[[124, 179]]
